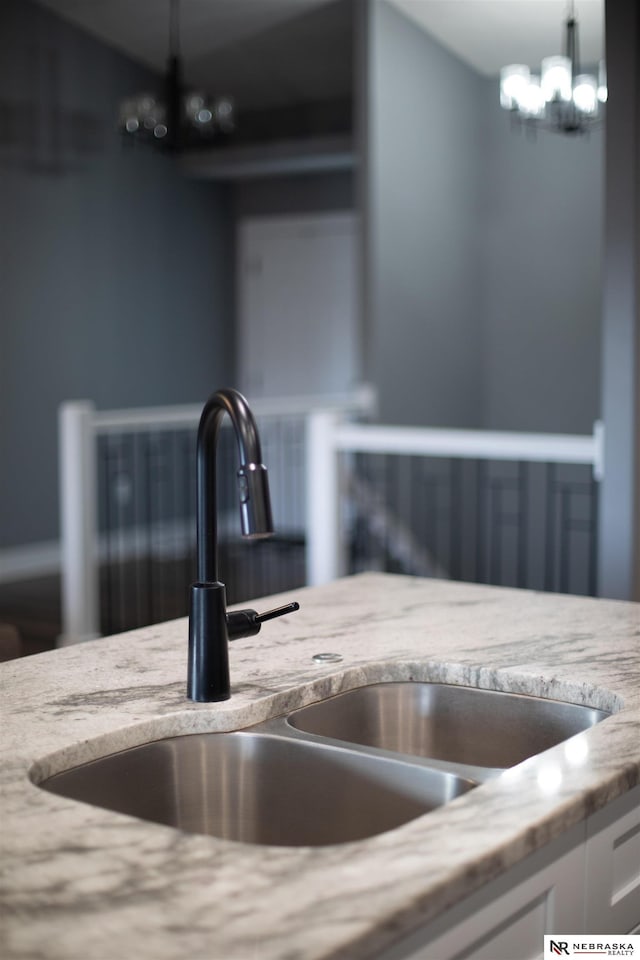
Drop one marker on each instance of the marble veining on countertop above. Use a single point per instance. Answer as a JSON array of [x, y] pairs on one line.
[[83, 883]]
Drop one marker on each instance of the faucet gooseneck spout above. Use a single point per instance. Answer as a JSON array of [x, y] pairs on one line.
[[210, 626]]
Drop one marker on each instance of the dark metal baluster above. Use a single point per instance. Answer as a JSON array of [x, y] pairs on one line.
[[550, 545], [368, 538], [495, 563], [285, 554], [384, 499], [135, 520], [360, 549], [176, 523], [285, 475], [156, 526], [413, 512], [108, 587], [185, 513], [362, 529], [523, 522], [296, 572], [148, 501], [164, 501], [593, 537], [118, 607], [455, 518], [392, 510], [377, 533], [420, 507], [187, 458], [124, 472], [565, 536], [481, 524], [270, 555], [432, 526]]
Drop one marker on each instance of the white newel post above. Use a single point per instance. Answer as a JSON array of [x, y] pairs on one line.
[[77, 474], [324, 551]]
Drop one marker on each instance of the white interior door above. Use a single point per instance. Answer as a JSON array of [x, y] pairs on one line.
[[297, 305]]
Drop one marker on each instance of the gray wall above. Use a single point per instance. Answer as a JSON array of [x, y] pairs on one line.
[[423, 325], [484, 259], [540, 238], [619, 569], [115, 272]]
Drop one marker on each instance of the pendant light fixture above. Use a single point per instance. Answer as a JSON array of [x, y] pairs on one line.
[[178, 118], [561, 98]]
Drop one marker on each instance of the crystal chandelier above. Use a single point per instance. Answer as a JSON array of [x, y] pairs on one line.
[[180, 118], [561, 99]]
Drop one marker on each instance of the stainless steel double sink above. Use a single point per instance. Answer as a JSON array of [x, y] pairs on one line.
[[352, 766]]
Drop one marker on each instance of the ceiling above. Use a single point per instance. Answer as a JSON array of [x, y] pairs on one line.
[[488, 34], [223, 41], [140, 28], [264, 53]]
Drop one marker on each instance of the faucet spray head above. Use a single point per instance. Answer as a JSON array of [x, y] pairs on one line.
[[255, 502]]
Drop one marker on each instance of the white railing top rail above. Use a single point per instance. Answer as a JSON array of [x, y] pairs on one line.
[[473, 444], [330, 435], [145, 418], [361, 400]]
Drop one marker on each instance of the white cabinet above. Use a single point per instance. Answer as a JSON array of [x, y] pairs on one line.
[[586, 881], [613, 867], [515, 923]]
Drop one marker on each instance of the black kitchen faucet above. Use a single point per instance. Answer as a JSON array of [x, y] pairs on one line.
[[210, 626]]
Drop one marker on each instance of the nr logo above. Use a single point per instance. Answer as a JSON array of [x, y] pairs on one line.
[[559, 947]]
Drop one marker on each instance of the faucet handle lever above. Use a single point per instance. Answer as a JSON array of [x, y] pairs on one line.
[[278, 612], [246, 623]]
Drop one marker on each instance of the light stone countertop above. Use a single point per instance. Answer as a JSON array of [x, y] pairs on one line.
[[82, 883]]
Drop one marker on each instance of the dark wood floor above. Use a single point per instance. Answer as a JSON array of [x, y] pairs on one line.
[[33, 608]]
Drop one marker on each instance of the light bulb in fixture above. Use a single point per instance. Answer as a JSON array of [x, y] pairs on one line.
[[225, 113], [532, 102], [555, 78], [514, 80], [585, 94], [193, 104]]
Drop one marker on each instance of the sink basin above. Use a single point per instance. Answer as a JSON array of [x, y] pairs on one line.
[[295, 781], [463, 725], [258, 788]]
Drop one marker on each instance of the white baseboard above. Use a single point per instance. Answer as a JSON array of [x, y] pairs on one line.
[[44, 559], [29, 560]]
